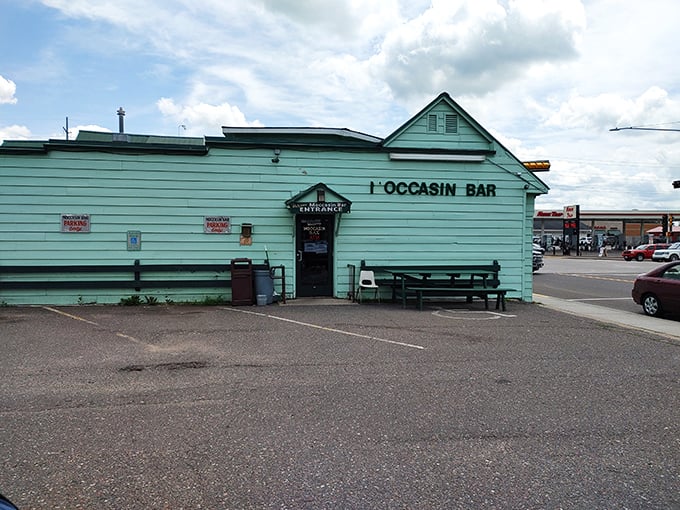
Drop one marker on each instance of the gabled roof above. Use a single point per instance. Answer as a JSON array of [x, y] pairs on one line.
[[443, 129], [445, 99]]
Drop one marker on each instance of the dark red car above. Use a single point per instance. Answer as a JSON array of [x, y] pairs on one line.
[[658, 291], [642, 252]]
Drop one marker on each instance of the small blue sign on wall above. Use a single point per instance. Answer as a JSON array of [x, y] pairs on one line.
[[134, 240]]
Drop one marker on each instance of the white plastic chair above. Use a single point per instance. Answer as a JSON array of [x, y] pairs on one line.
[[367, 281]]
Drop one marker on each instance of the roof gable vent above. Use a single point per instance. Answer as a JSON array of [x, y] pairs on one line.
[[451, 123]]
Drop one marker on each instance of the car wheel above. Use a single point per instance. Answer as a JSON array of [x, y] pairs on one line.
[[651, 305], [674, 257], [640, 257]]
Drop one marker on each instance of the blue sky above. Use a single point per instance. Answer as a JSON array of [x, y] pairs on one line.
[[548, 78]]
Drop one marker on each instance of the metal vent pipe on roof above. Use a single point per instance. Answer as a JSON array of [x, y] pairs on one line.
[[121, 121]]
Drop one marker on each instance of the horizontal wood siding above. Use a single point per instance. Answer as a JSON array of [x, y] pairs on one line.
[[166, 197]]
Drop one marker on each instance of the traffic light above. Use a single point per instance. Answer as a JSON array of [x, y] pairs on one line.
[[664, 223]]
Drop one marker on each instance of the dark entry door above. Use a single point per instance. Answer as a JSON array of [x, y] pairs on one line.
[[314, 243]]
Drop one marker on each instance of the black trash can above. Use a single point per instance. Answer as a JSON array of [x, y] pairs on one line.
[[264, 285], [241, 282]]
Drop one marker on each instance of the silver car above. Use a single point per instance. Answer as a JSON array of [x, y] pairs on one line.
[[667, 254]]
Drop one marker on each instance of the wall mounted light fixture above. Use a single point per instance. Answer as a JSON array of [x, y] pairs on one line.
[[246, 238], [276, 159]]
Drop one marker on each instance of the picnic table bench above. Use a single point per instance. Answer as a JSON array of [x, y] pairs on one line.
[[440, 281]]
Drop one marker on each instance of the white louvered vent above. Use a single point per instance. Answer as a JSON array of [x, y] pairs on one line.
[[451, 123], [432, 123]]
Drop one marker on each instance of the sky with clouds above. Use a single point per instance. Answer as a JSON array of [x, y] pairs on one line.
[[548, 78]]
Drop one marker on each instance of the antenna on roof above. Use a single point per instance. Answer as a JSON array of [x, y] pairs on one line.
[[66, 129]]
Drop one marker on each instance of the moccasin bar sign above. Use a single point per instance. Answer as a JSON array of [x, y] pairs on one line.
[[433, 188], [319, 207]]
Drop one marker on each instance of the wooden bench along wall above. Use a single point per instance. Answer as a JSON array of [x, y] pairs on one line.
[[440, 281], [135, 276]]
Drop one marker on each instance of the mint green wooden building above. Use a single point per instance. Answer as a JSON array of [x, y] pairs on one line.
[[318, 201]]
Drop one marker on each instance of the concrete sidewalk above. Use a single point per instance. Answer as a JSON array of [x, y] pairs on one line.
[[666, 327]]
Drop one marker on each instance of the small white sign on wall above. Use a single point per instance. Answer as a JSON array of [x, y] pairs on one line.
[[216, 225], [75, 223], [134, 240]]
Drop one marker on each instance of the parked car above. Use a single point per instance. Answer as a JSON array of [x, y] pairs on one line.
[[642, 252], [658, 291], [537, 257], [667, 254], [6, 504]]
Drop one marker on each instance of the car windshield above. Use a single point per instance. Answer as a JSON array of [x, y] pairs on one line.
[[642, 247], [674, 246]]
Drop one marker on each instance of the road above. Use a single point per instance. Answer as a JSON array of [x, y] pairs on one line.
[[599, 281]]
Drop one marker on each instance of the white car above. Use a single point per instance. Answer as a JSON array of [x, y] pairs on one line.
[[667, 254], [537, 257]]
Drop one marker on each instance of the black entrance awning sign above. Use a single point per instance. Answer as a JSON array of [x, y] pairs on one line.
[[333, 202]]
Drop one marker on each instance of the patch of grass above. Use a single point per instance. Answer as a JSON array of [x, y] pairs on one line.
[[151, 300], [131, 301], [212, 301]]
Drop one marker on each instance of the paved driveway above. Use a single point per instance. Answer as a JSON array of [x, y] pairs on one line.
[[364, 406]]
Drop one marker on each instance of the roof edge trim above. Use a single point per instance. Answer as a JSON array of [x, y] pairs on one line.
[[345, 133]]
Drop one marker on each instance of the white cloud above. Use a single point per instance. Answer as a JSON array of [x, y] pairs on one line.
[[74, 130], [7, 90], [612, 110], [203, 118], [14, 133], [475, 47]]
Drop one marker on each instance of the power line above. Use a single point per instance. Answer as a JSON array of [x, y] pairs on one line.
[[624, 164], [676, 184], [649, 127]]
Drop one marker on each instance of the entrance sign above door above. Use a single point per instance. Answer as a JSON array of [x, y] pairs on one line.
[[318, 199], [320, 207]]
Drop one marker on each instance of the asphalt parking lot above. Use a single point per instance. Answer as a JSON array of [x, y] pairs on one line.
[[335, 406]]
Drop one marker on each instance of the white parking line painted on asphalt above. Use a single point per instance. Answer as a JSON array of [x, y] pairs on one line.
[[150, 347], [81, 319], [325, 328], [70, 316], [470, 315]]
